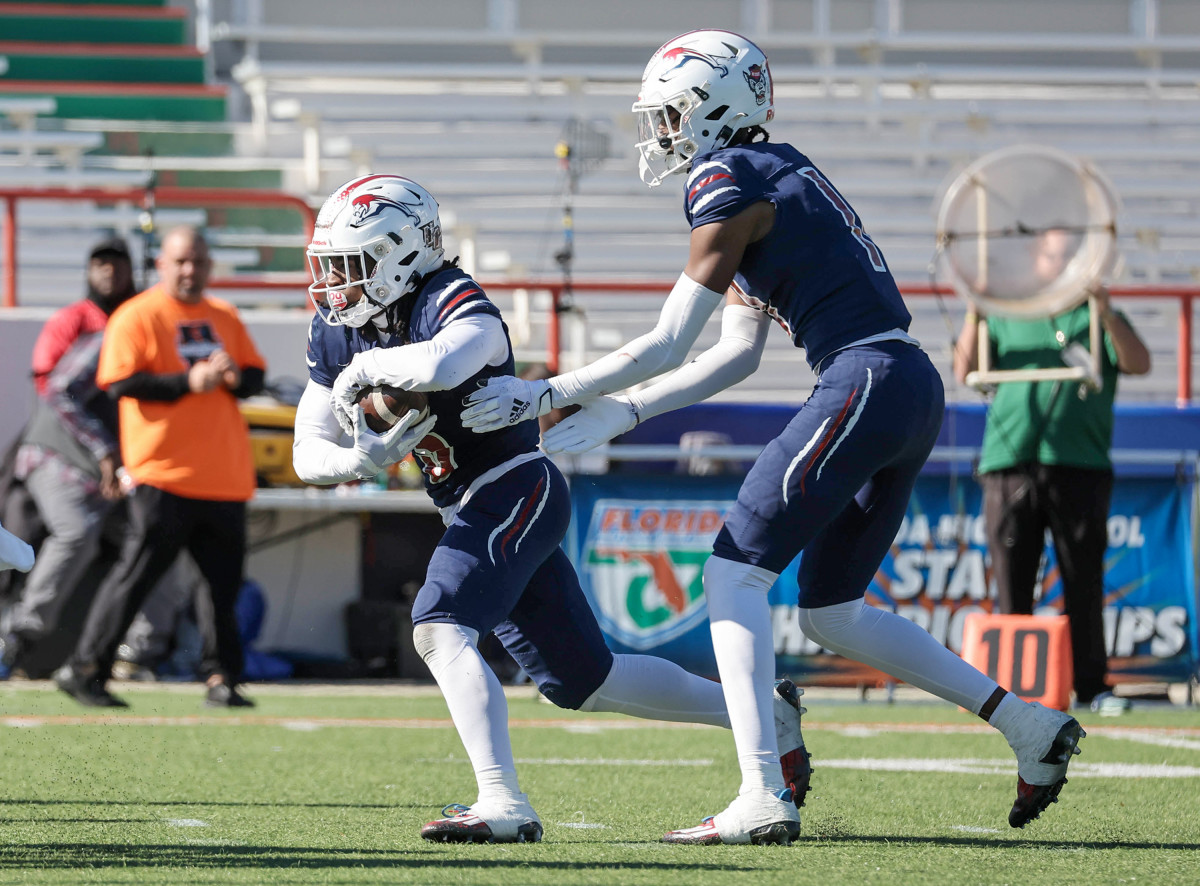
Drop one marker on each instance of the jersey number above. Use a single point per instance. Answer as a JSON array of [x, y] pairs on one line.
[[829, 192], [436, 457]]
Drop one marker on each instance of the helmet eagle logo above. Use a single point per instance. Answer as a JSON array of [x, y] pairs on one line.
[[681, 55], [367, 206]]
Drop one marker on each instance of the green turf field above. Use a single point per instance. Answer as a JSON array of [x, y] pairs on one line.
[[328, 785]]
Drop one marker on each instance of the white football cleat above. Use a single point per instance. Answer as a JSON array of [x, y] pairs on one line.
[[794, 759], [489, 821], [758, 819], [1044, 741]]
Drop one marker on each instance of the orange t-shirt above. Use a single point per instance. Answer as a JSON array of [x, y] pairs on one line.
[[197, 446]]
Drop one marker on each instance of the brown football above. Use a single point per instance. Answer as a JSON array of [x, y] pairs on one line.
[[385, 405]]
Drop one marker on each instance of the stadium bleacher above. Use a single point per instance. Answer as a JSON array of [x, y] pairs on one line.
[[889, 97]]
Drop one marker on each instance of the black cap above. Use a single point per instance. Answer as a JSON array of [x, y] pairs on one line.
[[113, 246]]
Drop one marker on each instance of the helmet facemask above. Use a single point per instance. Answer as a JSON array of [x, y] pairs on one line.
[[379, 235], [698, 90], [666, 135], [333, 299]]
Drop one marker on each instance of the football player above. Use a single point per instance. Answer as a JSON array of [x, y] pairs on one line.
[[773, 240], [392, 310]]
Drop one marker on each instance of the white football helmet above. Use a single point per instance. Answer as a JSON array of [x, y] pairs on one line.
[[697, 91], [378, 232]]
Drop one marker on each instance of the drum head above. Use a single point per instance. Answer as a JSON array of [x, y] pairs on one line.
[[1026, 231]]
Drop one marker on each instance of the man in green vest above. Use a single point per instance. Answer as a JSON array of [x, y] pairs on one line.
[[1045, 462]]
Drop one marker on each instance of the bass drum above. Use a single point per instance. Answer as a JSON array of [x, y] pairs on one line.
[[1026, 231]]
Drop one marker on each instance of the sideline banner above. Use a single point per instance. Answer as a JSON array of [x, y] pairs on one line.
[[640, 543]]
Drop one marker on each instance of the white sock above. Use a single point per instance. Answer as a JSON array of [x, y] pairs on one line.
[[1007, 712], [740, 621], [477, 704], [657, 689], [898, 647]]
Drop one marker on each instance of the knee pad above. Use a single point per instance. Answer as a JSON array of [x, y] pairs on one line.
[[589, 704], [723, 578], [439, 643], [827, 624], [560, 696]]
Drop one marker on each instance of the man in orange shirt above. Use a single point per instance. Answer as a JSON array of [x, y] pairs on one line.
[[178, 360]]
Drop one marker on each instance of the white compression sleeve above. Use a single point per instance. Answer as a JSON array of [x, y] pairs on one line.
[[447, 360], [896, 646], [476, 702], [734, 357], [318, 455], [657, 689], [740, 621], [665, 347]]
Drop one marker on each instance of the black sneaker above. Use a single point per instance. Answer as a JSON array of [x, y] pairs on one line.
[[87, 690], [222, 695]]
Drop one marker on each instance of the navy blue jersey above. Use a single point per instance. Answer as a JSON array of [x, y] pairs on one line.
[[450, 456], [817, 273]]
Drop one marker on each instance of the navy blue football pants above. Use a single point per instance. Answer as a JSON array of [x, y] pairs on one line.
[[499, 568], [836, 482]]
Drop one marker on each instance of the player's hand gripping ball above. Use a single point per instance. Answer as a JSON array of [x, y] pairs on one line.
[[385, 405]]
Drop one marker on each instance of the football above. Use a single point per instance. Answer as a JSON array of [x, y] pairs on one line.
[[385, 405]]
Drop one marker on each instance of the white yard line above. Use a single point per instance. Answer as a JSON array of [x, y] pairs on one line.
[[1186, 738], [1163, 739], [1006, 767]]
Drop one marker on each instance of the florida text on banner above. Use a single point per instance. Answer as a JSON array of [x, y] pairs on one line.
[[640, 544]]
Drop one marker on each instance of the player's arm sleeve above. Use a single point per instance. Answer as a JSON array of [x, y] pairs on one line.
[[458, 351], [734, 357], [318, 455], [662, 349]]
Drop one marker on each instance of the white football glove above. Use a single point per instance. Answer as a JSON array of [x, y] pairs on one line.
[[14, 553], [377, 451], [505, 401], [597, 422], [346, 386]]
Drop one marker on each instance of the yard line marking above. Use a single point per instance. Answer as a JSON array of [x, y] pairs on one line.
[[582, 761], [187, 823], [563, 761], [1006, 767], [972, 829], [1160, 740], [1149, 734]]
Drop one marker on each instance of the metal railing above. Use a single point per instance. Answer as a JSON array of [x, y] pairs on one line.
[[559, 291], [206, 198]]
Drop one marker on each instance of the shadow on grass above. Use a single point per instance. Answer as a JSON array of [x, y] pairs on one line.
[[69, 856], [1025, 842], [54, 819], [191, 803]]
